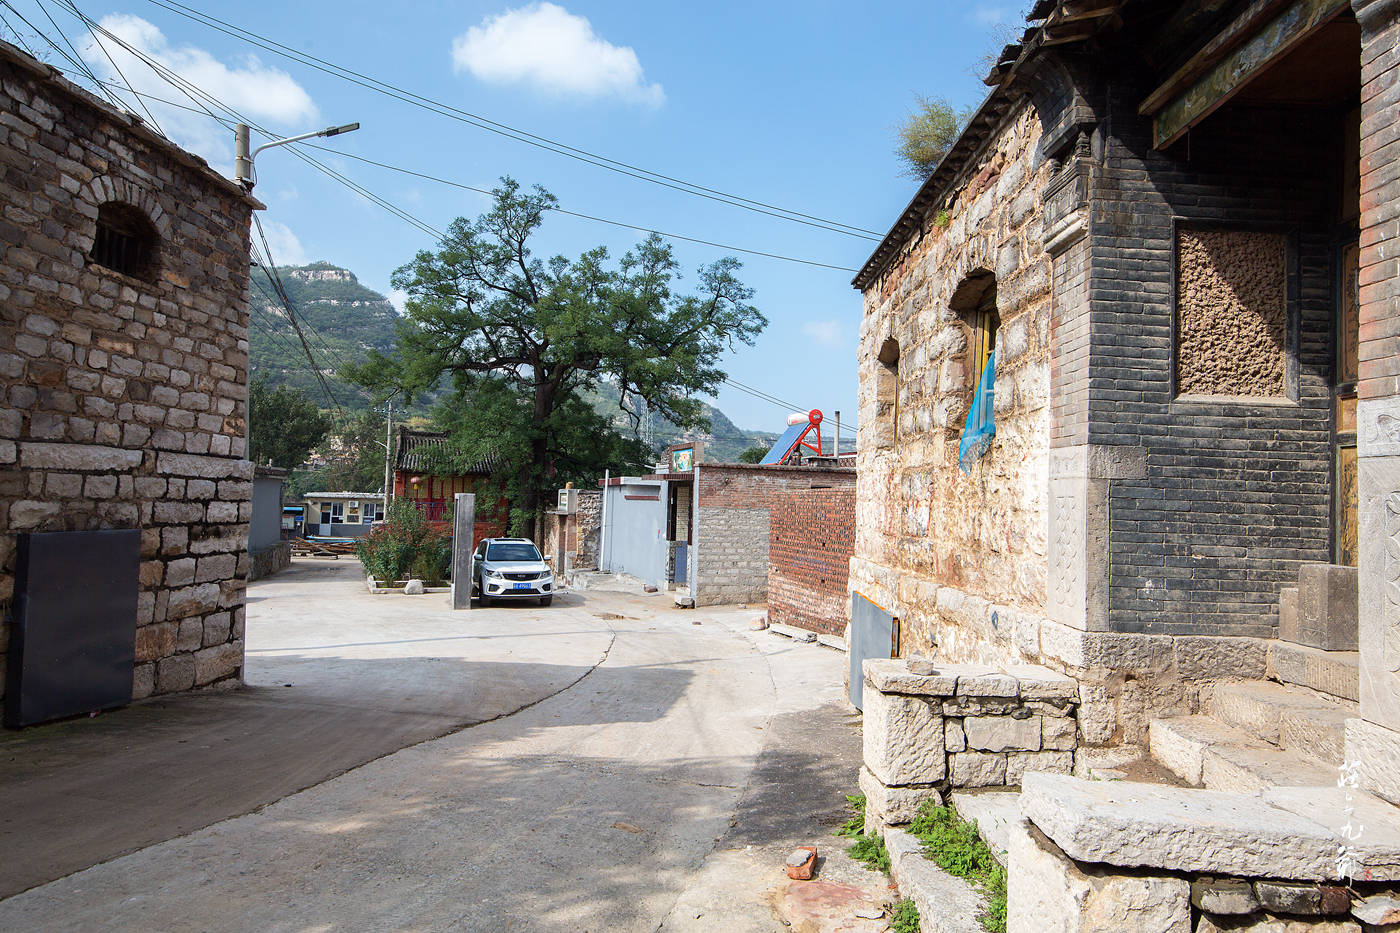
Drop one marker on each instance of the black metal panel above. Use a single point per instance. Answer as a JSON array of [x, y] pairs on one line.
[[871, 636], [73, 641]]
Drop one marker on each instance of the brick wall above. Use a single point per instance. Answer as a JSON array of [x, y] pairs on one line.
[[1380, 195], [811, 536], [1236, 492], [732, 525], [125, 399]]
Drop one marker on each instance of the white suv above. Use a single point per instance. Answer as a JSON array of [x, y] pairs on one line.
[[511, 568]]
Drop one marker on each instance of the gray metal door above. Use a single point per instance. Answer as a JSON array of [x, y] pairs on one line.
[[682, 561], [872, 636]]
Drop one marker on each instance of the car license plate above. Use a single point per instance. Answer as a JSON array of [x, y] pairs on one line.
[[521, 586]]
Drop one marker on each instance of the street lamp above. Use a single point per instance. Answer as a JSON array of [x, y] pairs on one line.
[[243, 159]]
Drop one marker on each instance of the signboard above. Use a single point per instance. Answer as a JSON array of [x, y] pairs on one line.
[[683, 460]]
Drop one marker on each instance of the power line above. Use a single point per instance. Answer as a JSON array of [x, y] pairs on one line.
[[422, 225], [775, 401], [601, 220], [510, 132]]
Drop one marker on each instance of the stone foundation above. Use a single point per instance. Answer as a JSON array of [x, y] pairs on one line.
[[929, 728], [1096, 857]]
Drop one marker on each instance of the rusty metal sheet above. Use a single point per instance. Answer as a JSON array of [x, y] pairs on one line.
[[1236, 69]]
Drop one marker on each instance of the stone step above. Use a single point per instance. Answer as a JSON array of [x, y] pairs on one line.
[[1293, 718], [1206, 752], [1336, 673]]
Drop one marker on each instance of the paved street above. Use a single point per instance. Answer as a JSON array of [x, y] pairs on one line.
[[621, 768]]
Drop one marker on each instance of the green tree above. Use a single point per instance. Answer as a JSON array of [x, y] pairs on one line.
[[753, 455], [926, 135], [283, 425], [354, 459], [523, 339]]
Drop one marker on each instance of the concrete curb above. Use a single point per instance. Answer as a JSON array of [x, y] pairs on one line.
[[947, 904]]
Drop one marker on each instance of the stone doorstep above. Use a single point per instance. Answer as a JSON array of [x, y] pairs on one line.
[[1336, 673], [1293, 718], [1282, 832], [947, 904], [793, 632], [1204, 751], [996, 813]]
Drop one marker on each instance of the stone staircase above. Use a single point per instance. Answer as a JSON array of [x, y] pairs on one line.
[[1288, 730]]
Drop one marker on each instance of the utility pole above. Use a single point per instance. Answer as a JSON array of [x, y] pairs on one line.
[[388, 452]]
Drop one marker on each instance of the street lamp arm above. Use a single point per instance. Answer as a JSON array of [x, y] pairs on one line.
[[243, 159]]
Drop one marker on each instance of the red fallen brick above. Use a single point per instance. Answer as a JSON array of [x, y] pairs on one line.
[[802, 871], [1335, 899]]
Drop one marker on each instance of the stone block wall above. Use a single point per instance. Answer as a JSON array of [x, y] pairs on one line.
[[732, 527], [922, 524], [931, 727], [125, 397], [811, 537]]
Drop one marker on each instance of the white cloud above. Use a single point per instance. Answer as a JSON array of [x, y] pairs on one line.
[[397, 297], [286, 248], [828, 333], [260, 92], [552, 50]]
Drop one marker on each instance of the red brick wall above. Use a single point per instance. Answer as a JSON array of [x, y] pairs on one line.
[[811, 538]]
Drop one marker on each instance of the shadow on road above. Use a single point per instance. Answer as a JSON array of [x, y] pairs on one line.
[[76, 793]]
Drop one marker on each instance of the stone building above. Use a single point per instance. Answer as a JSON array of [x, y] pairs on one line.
[[1169, 232], [123, 366]]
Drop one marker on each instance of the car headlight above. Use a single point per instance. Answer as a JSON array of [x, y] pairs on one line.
[[492, 575]]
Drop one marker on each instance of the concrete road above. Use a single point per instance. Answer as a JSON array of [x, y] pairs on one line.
[[335, 678], [658, 777]]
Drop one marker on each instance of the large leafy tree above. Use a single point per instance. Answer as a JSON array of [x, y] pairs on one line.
[[283, 425], [523, 339], [352, 460]]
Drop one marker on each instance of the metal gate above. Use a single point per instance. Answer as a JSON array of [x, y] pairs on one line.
[[874, 634]]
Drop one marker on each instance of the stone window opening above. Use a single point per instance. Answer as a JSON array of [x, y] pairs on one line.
[[975, 303], [126, 241], [887, 385]]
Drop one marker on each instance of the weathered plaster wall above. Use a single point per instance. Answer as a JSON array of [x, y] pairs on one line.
[[934, 545], [1231, 312], [125, 400]]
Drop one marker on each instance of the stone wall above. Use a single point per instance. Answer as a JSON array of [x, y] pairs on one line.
[[267, 561], [125, 397], [921, 524], [811, 536], [732, 525], [929, 728]]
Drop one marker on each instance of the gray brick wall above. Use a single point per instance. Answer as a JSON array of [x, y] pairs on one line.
[[1236, 493], [733, 556]]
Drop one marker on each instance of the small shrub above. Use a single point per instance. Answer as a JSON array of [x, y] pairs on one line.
[[905, 918], [404, 544]]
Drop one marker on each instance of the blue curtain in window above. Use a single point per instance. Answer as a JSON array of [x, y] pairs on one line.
[[979, 429]]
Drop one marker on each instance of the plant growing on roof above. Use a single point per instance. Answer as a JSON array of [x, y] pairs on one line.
[[523, 339]]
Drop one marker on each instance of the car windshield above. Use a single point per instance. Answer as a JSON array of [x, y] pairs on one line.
[[513, 551]]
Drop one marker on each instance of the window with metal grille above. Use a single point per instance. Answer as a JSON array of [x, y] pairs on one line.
[[125, 241]]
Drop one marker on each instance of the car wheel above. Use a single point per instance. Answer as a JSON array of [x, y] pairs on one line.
[[546, 600]]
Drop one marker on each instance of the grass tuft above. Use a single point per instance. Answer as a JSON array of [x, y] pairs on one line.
[[952, 843], [866, 849]]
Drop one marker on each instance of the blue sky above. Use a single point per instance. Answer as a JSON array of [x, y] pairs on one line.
[[793, 104]]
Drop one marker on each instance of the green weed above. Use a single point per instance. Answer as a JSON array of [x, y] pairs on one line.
[[867, 849], [953, 844], [905, 918]]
